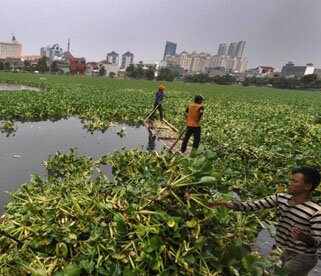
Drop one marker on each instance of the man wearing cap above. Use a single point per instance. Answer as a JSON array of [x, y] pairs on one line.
[[193, 115], [159, 97]]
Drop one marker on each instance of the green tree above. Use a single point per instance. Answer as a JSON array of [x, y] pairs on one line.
[[1, 66], [27, 66], [102, 71], [139, 72], [130, 71], [7, 66], [149, 74], [166, 74], [309, 81], [42, 65], [54, 67]]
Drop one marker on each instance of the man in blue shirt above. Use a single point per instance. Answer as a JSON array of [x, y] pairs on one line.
[[159, 97]]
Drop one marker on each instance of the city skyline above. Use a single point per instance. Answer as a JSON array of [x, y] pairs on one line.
[[275, 31]]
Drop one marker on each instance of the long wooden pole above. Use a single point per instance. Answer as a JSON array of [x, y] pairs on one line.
[[179, 137], [152, 112]]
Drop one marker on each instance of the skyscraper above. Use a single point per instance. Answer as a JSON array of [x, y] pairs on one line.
[[170, 49], [232, 49], [222, 49], [236, 49], [240, 48]]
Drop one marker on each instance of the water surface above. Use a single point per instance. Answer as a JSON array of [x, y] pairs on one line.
[[22, 153], [15, 87]]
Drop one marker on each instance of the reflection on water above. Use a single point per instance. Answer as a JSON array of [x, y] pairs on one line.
[[15, 87], [22, 154], [151, 141]]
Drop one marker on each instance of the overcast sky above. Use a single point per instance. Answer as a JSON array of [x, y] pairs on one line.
[[275, 31]]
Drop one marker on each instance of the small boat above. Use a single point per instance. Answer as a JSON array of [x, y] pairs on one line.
[[167, 134]]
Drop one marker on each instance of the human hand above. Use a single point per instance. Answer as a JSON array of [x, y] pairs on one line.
[[216, 203], [302, 235]]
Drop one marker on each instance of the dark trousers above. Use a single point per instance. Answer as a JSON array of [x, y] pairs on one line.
[[196, 131], [160, 109]]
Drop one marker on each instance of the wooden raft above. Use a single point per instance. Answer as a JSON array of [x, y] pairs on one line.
[[167, 134]]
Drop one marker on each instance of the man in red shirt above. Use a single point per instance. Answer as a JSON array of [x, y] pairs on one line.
[[193, 115]]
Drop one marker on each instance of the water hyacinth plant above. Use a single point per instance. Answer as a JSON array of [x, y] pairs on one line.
[[152, 219]]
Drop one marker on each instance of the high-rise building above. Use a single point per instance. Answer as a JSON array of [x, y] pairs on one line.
[[53, 52], [113, 58], [232, 49], [222, 49], [240, 48], [127, 59], [236, 49], [11, 49], [170, 49]]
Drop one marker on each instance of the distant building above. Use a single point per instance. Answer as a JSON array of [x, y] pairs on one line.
[[92, 69], [110, 69], [53, 52], [232, 49], [240, 48], [228, 57], [290, 70], [31, 58], [113, 58], [317, 72], [127, 59], [63, 66], [11, 49], [236, 49], [215, 71], [260, 72], [222, 49], [77, 66], [170, 49]]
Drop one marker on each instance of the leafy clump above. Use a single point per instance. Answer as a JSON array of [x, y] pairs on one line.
[[152, 220]]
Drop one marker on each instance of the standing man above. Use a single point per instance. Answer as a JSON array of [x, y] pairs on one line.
[[193, 115], [298, 231], [159, 98]]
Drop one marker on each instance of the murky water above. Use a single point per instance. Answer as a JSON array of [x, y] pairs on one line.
[[22, 153], [15, 87]]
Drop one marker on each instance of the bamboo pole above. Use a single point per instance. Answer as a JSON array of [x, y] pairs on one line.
[[179, 137]]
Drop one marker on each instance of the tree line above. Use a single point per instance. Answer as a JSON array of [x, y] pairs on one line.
[[312, 81], [41, 66]]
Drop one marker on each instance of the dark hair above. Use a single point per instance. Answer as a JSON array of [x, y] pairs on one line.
[[310, 175], [198, 99]]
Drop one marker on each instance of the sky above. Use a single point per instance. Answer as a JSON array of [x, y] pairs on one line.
[[275, 31]]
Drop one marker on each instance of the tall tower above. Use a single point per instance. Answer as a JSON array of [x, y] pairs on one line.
[[170, 49], [240, 48], [232, 49], [222, 49]]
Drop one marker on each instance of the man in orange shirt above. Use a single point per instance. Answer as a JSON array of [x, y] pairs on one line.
[[193, 115]]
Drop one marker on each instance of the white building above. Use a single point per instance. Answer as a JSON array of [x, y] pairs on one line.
[[53, 52], [111, 69], [11, 49], [127, 59], [113, 58], [290, 70]]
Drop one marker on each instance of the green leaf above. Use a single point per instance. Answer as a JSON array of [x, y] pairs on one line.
[[171, 222], [192, 223], [207, 179], [190, 259]]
